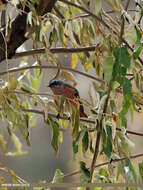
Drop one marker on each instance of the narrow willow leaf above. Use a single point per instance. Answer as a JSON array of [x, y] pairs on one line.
[[116, 84], [108, 67], [85, 172], [55, 137], [96, 6], [130, 34], [74, 60], [18, 146], [23, 126], [17, 143], [12, 84], [107, 146], [137, 50], [127, 87], [69, 76], [29, 18], [27, 88], [15, 179], [35, 80], [140, 165], [122, 62], [85, 141], [76, 125], [58, 177], [89, 63], [75, 147], [126, 105], [2, 143]]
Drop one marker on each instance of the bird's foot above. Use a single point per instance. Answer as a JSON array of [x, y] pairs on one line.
[[58, 116]]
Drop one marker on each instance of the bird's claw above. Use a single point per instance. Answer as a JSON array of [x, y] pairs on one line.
[[111, 160], [58, 116]]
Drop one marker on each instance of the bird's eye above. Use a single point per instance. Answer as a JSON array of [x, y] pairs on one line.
[[76, 94]]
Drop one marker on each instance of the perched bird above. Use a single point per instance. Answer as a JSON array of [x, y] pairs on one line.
[[69, 92]]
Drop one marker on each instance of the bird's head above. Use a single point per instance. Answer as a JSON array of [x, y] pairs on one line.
[[55, 83]]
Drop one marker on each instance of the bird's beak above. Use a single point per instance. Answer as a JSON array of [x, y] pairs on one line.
[[48, 86]]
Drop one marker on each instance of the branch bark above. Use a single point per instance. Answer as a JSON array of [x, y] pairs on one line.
[[56, 50], [18, 29]]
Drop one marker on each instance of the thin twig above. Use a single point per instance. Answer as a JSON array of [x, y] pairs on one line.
[[30, 94], [123, 24], [106, 163]]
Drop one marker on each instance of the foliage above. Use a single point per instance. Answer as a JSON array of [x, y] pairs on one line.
[[114, 93]]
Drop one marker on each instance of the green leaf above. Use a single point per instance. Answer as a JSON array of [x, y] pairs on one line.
[[15, 179], [85, 141], [112, 105], [75, 147], [2, 143], [137, 50], [55, 128], [58, 177], [18, 146], [76, 125], [108, 67], [85, 177], [140, 165], [116, 84], [27, 88], [23, 126], [89, 63], [95, 6], [139, 35], [127, 87], [35, 82], [12, 84], [125, 105], [75, 143], [122, 62], [107, 143], [131, 34]]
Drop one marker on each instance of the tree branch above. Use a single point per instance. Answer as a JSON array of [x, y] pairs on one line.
[[81, 119], [50, 67], [99, 131], [55, 50], [106, 163]]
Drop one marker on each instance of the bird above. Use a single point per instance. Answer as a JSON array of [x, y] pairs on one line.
[[71, 94]]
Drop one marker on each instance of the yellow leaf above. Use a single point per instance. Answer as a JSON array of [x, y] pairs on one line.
[[60, 137], [48, 24], [88, 66], [74, 60], [64, 40], [69, 76], [12, 84]]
